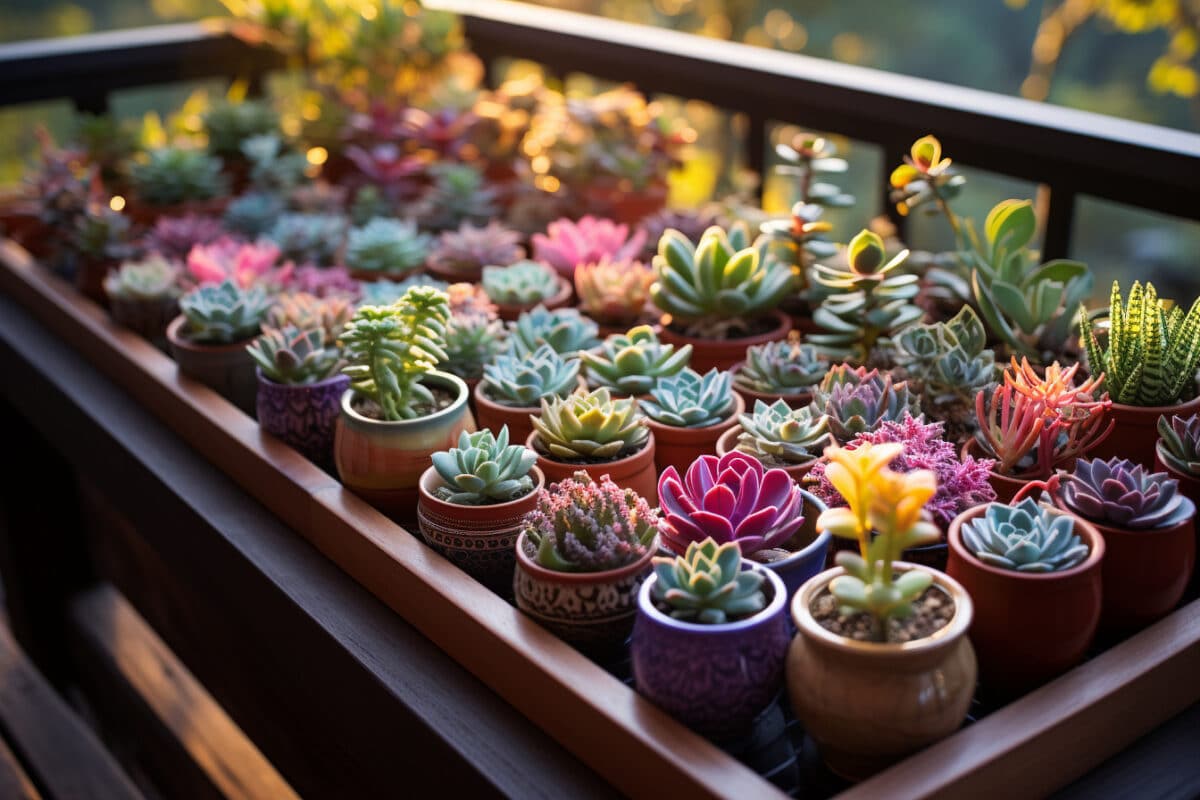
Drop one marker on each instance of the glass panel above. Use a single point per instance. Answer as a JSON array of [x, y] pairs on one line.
[[18, 144], [982, 191]]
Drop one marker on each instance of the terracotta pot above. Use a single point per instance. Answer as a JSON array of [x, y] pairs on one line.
[[713, 678], [1145, 572], [225, 368], [494, 416], [382, 461], [144, 214], [605, 198], [798, 400], [1029, 626], [147, 318], [634, 471], [560, 299], [723, 354], [728, 443], [1189, 486], [1136, 431], [480, 540], [1004, 486], [679, 447], [867, 704], [592, 610], [89, 278], [303, 416]]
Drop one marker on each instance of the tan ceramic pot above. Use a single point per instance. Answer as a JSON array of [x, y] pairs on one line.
[[868, 705], [679, 447], [724, 353], [382, 461], [728, 443], [634, 471]]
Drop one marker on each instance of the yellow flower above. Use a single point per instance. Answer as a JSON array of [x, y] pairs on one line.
[[852, 473], [899, 498]]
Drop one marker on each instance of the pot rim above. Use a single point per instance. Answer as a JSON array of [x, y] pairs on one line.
[[1170, 470], [460, 400], [1096, 548], [779, 600], [1117, 530], [481, 396], [430, 480], [784, 325], [618, 462], [563, 295], [739, 408], [1158, 411], [321, 384], [178, 340], [964, 612], [606, 576]]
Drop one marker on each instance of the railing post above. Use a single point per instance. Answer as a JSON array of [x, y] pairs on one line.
[[1060, 217], [91, 103], [756, 148]]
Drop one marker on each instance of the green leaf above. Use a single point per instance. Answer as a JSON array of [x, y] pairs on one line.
[[1012, 303]]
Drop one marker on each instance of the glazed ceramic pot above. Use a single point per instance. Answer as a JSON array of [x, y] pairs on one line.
[[1145, 572], [635, 471], [1029, 626], [382, 461], [1136, 431], [724, 353], [591, 610], [797, 400], [869, 704], [480, 540], [679, 447], [225, 368], [303, 416], [728, 443], [561, 298], [713, 678], [147, 318]]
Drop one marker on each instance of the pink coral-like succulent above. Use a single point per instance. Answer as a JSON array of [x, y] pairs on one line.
[[244, 264], [567, 244], [732, 499], [960, 484]]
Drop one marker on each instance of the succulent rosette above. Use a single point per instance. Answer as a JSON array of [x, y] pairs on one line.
[[1122, 494]]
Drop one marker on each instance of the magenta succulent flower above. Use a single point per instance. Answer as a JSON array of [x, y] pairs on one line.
[[244, 264], [567, 244], [731, 499], [1120, 493]]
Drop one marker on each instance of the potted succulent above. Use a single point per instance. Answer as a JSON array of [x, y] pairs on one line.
[[687, 413], [1031, 563], [208, 339], [244, 263], [99, 239], [597, 434], [457, 194], [461, 255], [473, 501], [856, 400], [785, 370], [306, 311], [566, 245], [1035, 424], [318, 238], [474, 339], [385, 248], [398, 410], [299, 388], [632, 363], [615, 293], [230, 124], [253, 214], [582, 555], [173, 181], [778, 435], [710, 638], [720, 295], [881, 665], [512, 388], [567, 331], [1149, 535], [143, 295], [734, 498], [1177, 452], [1148, 367], [174, 237], [523, 285]]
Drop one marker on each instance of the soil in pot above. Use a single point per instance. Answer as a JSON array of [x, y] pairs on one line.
[[932, 611], [724, 353]]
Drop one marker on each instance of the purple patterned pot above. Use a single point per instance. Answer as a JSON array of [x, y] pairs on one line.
[[716, 679], [303, 416]]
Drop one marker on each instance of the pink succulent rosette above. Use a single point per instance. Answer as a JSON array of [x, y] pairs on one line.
[[731, 498], [244, 264], [567, 244]]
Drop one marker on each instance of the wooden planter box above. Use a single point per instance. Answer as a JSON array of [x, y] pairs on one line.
[[1030, 747]]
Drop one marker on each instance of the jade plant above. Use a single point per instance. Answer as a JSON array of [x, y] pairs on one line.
[[566, 244], [387, 246], [295, 356], [464, 252], [1026, 537], [590, 426], [309, 238], [168, 176], [484, 469], [777, 434], [707, 584], [1180, 443], [1121, 494], [390, 349], [564, 329], [885, 515], [1152, 353], [582, 525], [869, 304], [688, 399], [927, 179], [524, 382], [223, 313], [800, 241], [524, 283], [856, 400], [729, 499], [148, 279], [713, 288], [807, 158], [614, 291], [785, 368], [633, 363], [306, 311]]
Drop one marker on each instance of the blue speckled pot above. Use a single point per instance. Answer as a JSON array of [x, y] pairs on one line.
[[714, 678], [303, 416], [809, 560]]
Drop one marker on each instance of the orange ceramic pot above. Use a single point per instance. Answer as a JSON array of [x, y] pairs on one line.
[[1136, 431], [225, 368], [560, 299], [634, 471], [679, 447], [382, 461], [724, 353], [797, 400], [1029, 626], [481, 540], [494, 416], [728, 443], [870, 704]]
